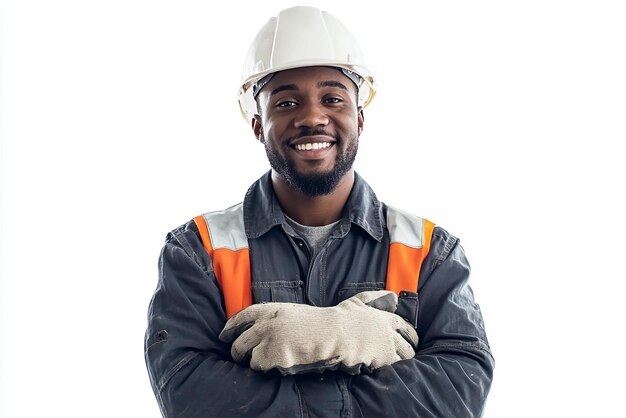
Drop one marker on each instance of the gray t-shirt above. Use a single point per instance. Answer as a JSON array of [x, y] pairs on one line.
[[315, 236]]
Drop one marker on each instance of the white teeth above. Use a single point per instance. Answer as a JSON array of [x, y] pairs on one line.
[[312, 146]]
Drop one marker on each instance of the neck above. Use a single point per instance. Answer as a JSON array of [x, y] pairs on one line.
[[313, 210]]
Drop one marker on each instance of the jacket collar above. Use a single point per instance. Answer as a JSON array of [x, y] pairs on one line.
[[262, 211]]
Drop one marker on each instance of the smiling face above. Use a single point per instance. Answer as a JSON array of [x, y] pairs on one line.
[[310, 124]]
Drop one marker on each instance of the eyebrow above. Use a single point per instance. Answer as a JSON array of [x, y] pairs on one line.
[[293, 87], [283, 88], [331, 84]]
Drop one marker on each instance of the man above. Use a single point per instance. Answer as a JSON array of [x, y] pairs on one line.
[[312, 298]]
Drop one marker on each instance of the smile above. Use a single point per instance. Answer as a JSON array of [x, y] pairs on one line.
[[312, 146]]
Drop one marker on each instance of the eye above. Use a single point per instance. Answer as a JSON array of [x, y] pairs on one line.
[[286, 103], [333, 100]]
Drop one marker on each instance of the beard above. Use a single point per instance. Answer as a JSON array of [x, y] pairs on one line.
[[318, 183]]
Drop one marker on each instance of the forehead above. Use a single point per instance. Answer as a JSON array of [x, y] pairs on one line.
[[308, 77]]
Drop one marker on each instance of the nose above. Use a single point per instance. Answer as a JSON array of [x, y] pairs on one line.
[[311, 115]]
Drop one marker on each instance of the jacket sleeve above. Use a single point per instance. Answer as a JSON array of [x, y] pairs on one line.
[[451, 374], [191, 371]]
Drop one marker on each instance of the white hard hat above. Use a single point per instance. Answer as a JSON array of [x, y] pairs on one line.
[[302, 37]]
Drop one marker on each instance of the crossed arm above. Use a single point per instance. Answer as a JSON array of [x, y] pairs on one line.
[[193, 375]]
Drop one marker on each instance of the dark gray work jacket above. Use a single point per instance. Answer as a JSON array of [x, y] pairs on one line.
[[193, 374]]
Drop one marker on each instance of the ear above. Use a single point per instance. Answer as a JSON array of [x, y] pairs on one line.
[[360, 120], [257, 128]]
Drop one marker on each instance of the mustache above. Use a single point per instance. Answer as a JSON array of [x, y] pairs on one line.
[[312, 132]]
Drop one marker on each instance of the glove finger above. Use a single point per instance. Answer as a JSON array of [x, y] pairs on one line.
[[408, 333], [384, 300], [244, 344], [241, 321], [230, 333], [404, 349]]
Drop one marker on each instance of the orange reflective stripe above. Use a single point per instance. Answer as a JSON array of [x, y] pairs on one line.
[[233, 267], [404, 264]]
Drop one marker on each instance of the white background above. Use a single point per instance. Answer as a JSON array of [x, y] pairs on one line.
[[502, 121]]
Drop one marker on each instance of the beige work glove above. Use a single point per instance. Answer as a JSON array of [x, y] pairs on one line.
[[358, 335]]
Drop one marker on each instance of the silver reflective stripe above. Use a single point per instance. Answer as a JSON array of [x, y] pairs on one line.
[[405, 228], [226, 228]]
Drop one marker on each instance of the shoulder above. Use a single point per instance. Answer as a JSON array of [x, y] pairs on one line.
[[447, 257], [187, 238], [442, 243], [183, 234]]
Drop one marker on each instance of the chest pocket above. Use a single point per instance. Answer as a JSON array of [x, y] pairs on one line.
[[278, 291], [354, 288]]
